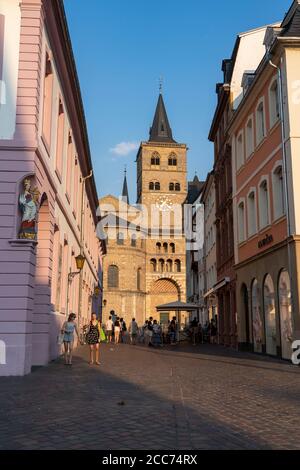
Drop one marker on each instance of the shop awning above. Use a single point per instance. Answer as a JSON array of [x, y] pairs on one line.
[[217, 286], [178, 307]]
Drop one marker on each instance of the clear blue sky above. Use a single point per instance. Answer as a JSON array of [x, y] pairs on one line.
[[122, 47]]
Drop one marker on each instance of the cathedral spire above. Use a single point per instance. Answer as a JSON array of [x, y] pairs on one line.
[[125, 196], [161, 130]]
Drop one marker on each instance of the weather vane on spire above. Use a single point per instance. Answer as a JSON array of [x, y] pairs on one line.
[[161, 80], [125, 169]]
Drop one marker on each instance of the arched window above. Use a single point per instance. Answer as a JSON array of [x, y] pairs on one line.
[[249, 138], [161, 263], [47, 102], [270, 315], [240, 157], [157, 186], [172, 247], [285, 309], [158, 247], [155, 159], [177, 186], [151, 186], [278, 193], [252, 224], [138, 279], [274, 103], [257, 324], [264, 217], [241, 222], [171, 187], [120, 238], [169, 265], [260, 123], [177, 266], [153, 264], [172, 160], [165, 247], [113, 277]]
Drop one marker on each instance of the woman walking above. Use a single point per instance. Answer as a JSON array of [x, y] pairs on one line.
[[93, 339], [67, 331], [117, 328]]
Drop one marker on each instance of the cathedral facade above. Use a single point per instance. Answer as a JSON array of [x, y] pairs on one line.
[[145, 265]]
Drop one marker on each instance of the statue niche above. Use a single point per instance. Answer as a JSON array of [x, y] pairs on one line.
[[29, 203]]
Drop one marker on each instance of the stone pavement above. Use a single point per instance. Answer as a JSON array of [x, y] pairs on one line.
[[204, 397]]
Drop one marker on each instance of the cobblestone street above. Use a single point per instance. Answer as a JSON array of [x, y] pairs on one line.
[[182, 398]]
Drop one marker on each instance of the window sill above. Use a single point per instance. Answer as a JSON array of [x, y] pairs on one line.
[[22, 242], [260, 144], [279, 219], [264, 229], [274, 125]]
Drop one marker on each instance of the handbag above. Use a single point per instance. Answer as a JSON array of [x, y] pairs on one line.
[[102, 335], [60, 339]]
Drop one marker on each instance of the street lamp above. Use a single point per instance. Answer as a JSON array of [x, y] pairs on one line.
[[80, 260], [97, 291]]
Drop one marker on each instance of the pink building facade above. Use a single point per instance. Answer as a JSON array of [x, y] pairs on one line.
[[48, 197], [265, 141]]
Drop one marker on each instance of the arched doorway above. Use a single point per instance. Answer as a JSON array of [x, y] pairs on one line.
[[270, 316], [163, 291], [42, 291], [245, 316], [257, 323], [285, 309]]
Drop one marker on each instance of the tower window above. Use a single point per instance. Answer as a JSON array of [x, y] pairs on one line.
[[177, 266], [120, 239], [155, 159], [172, 160], [171, 187], [113, 276], [177, 186], [154, 186]]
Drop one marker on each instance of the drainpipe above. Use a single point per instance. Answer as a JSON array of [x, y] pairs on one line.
[[286, 185], [81, 244]]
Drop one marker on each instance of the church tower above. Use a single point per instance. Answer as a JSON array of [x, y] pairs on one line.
[[162, 190]]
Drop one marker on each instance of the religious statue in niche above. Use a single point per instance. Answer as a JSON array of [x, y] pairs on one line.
[[29, 203]]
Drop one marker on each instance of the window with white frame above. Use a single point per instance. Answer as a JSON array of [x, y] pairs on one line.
[[274, 103], [252, 227], [260, 123], [241, 221], [263, 204], [249, 138], [278, 192], [240, 151]]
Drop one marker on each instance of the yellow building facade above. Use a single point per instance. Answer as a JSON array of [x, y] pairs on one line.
[[145, 265]]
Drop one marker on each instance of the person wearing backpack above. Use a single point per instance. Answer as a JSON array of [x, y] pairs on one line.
[[123, 328]]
